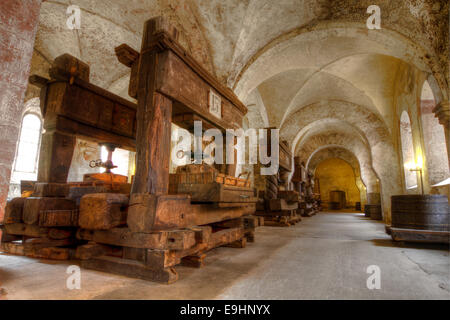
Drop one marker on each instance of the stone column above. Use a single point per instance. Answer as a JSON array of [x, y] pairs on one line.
[[19, 22], [442, 112]]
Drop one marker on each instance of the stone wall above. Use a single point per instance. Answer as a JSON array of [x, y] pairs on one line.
[[19, 20]]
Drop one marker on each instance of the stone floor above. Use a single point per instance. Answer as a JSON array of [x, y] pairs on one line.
[[322, 257]]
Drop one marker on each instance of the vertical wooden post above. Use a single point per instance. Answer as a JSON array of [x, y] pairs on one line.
[[154, 115], [231, 168], [55, 157], [57, 148]]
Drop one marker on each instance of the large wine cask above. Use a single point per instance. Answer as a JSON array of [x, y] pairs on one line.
[[373, 198], [366, 211], [423, 212], [373, 211]]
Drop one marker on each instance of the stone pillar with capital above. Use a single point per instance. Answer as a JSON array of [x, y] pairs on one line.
[[442, 112]]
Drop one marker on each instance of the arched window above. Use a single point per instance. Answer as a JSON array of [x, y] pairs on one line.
[[408, 151], [434, 138], [25, 165], [30, 137]]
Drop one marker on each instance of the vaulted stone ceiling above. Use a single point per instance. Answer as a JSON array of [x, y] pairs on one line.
[[227, 37], [308, 67]]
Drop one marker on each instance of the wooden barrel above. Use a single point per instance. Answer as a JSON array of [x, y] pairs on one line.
[[423, 212], [373, 211], [366, 211], [373, 198]]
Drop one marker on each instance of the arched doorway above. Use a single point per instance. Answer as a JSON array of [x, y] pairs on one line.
[[337, 175]]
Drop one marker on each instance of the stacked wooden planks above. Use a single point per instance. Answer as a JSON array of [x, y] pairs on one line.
[[152, 254], [87, 221], [309, 203], [312, 199], [278, 205], [43, 225]]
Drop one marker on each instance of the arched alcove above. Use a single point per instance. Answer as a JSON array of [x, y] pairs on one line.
[[339, 152], [408, 156], [433, 137], [335, 174]]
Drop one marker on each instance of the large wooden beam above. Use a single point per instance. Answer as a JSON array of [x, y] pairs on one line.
[[55, 156], [153, 147], [153, 129], [170, 83], [413, 235], [124, 237], [130, 268], [33, 208], [103, 211], [14, 211], [72, 107], [148, 212], [22, 229]]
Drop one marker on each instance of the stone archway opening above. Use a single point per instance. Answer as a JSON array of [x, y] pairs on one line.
[[366, 183], [336, 176], [436, 158]]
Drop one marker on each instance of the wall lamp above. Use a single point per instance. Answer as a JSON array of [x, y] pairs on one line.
[[416, 167]]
